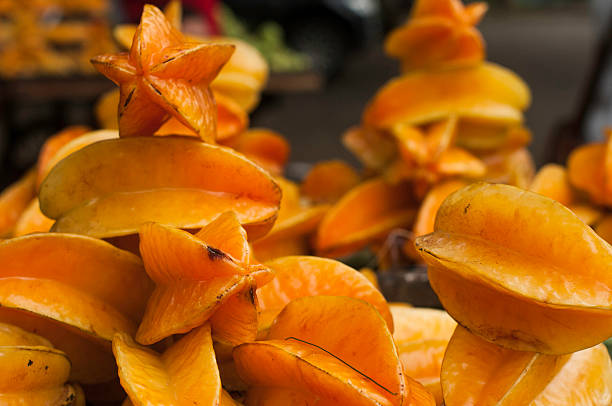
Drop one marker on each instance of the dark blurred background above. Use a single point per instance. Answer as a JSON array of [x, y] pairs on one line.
[[327, 62]]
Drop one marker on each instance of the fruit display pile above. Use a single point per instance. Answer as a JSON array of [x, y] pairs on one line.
[[449, 119], [52, 37], [165, 260]]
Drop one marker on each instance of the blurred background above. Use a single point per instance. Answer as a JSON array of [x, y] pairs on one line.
[[326, 62]]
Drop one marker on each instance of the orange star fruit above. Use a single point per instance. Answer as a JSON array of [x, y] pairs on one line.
[[75, 144], [552, 181], [428, 156], [241, 78], [164, 76], [296, 222], [503, 268], [373, 148], [32, 372], [14, 200], [185, 374], [439, 33], [52, 145], [590, 170], [515, 167], [232, 119], [302, 276], [476, 372], [177, 181], [196, 276], [32, 220], [364, 215], [265, 147], [426, 216], [77, 292], [488, 93], [328, 181], [487, 138], [421, 336], [355, 362]]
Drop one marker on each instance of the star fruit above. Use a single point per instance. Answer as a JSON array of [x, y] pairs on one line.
[[206, 276], [520, 270], [439, 33], [164, 76]]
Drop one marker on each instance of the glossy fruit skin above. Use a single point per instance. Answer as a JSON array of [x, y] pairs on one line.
[[32, 220], [164, 76], [429, 154], [422, 337], [487, 92], [302, 276], [77, 292], [322, 362], [553, 181], [364, 215], [32, 372], [426, 216], [73, 146], [241, 78], [504, 268], [590, 170], [476, 372], [185, 374], [88, 191], [197, 276]]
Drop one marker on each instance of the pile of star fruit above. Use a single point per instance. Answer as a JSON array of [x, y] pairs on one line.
[[448, 120], [584, 185], [187, 313]]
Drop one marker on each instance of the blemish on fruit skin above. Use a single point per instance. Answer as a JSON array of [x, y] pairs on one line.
[[69, 399], [466, 208], [252, 294], [30, 362], [215, 254]]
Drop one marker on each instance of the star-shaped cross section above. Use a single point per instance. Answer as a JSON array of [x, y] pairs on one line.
[[206, 276], [164, 76]]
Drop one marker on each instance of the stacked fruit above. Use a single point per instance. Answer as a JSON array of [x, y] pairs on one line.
[[33, 372], [236, 88], [191, 315], [149, 194], [77, 292], [528, 282], [584, 186], [52, 37], [449, 119]]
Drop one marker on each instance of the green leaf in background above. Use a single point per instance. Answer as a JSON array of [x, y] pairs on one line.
[[269, 39]]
